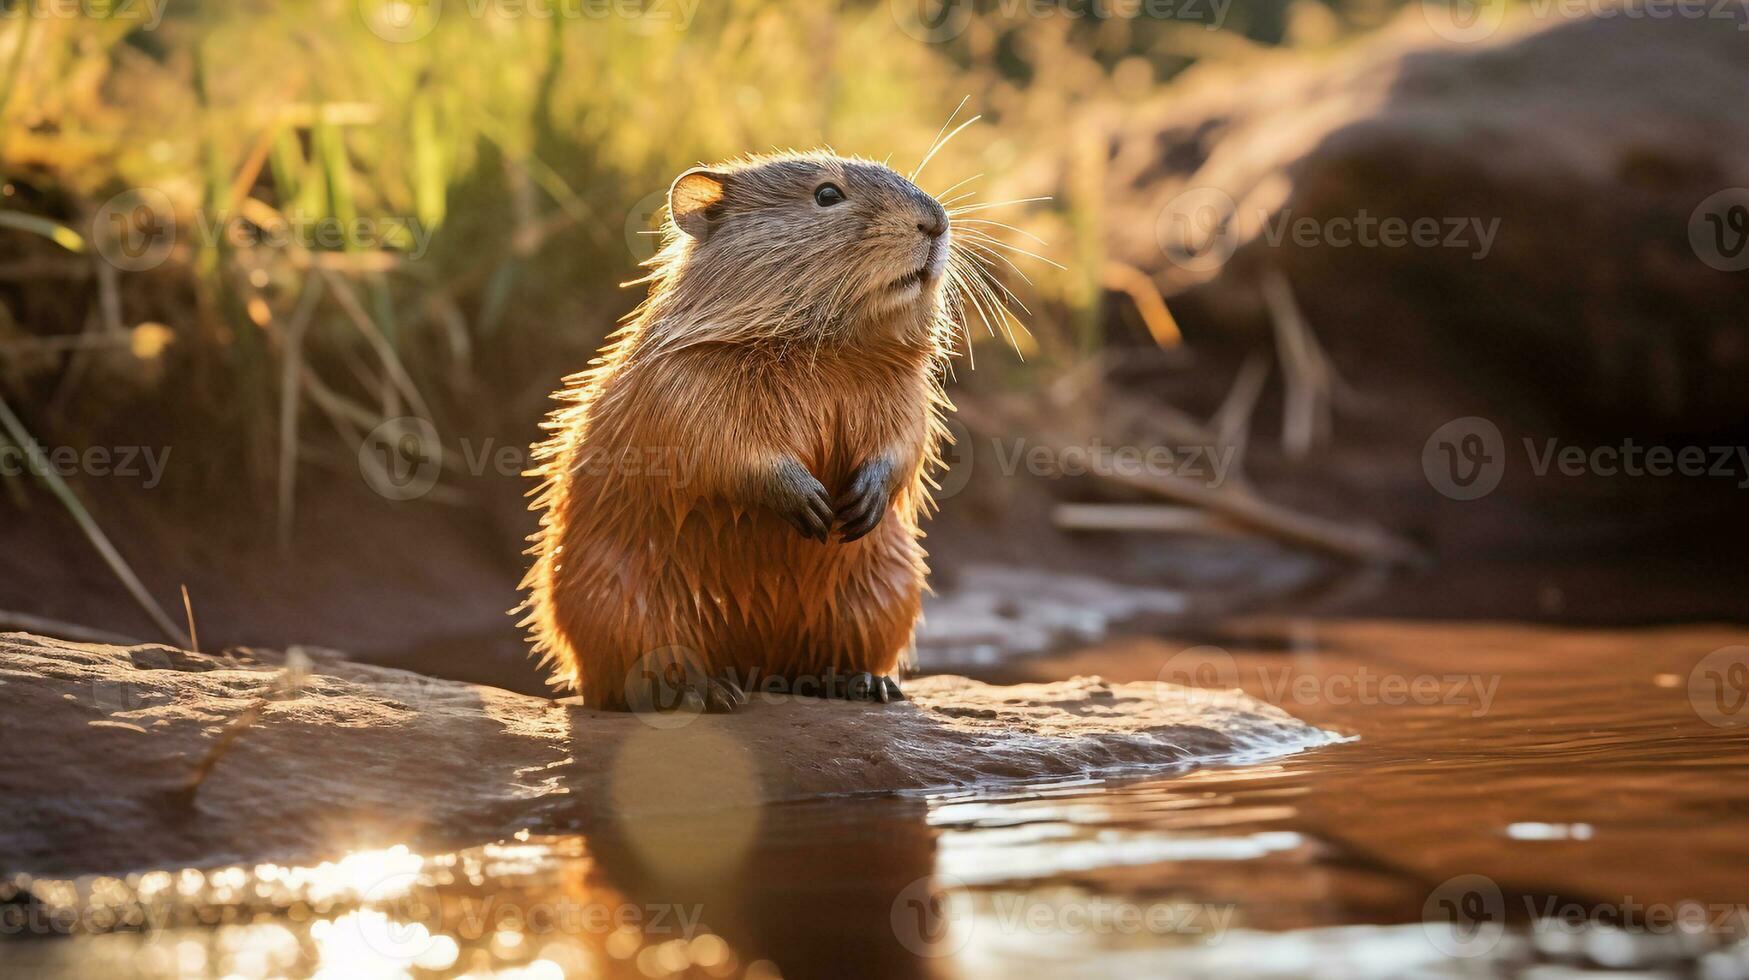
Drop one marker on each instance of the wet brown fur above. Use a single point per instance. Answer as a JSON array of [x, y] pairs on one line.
[[771, 329]]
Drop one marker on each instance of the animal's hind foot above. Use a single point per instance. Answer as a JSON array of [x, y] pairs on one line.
[[860, 686], [679, 689]]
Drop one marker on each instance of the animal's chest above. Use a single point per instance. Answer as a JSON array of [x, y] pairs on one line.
[[844, 418]]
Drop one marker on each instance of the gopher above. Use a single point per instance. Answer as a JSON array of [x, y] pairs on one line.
[[730, 493]]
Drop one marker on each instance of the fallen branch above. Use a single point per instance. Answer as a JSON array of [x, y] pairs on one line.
[[1154, 518], [1306, 372], [1150, 305], [1358, 542]]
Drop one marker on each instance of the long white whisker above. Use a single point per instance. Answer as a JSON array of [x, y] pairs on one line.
[[936, 143], [971, 293], [1003, 313], [988, 301], [956, 281], [1006, 291], [943, 143], [1005, 227], [957, 186], [997, 204], [973, 234]]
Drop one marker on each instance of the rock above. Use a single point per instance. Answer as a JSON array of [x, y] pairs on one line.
[[344, 755], [1579, 172], [995, 612]]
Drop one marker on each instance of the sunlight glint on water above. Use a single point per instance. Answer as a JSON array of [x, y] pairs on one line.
[[1343, 861]]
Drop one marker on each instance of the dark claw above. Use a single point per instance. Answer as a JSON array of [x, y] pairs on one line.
[[691, 701], [864, 502], [861, 686], [801, 500], [683, 688], [718, 700], [736, 695]]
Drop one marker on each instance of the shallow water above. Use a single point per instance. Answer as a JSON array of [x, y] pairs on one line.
[[1515, 801]]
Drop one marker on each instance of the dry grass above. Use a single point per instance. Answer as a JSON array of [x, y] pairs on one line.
[[492, 184]]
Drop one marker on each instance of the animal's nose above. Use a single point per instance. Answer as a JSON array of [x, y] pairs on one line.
[[934, 219]]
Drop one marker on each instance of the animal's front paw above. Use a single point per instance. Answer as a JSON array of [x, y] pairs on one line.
[[864, 502], [796, 496]]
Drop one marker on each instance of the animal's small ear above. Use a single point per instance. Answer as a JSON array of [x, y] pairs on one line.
[[695, 201]]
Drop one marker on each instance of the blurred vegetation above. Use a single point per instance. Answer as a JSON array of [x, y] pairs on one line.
[[534, 150]]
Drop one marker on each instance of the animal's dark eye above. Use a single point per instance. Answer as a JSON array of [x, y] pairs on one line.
[[827, 195]]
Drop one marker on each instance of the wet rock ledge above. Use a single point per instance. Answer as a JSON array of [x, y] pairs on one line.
[[103, 743]]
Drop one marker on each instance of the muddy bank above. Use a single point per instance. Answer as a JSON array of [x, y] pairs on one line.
[[1568, 294], [344, 755], [1562, 170]]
